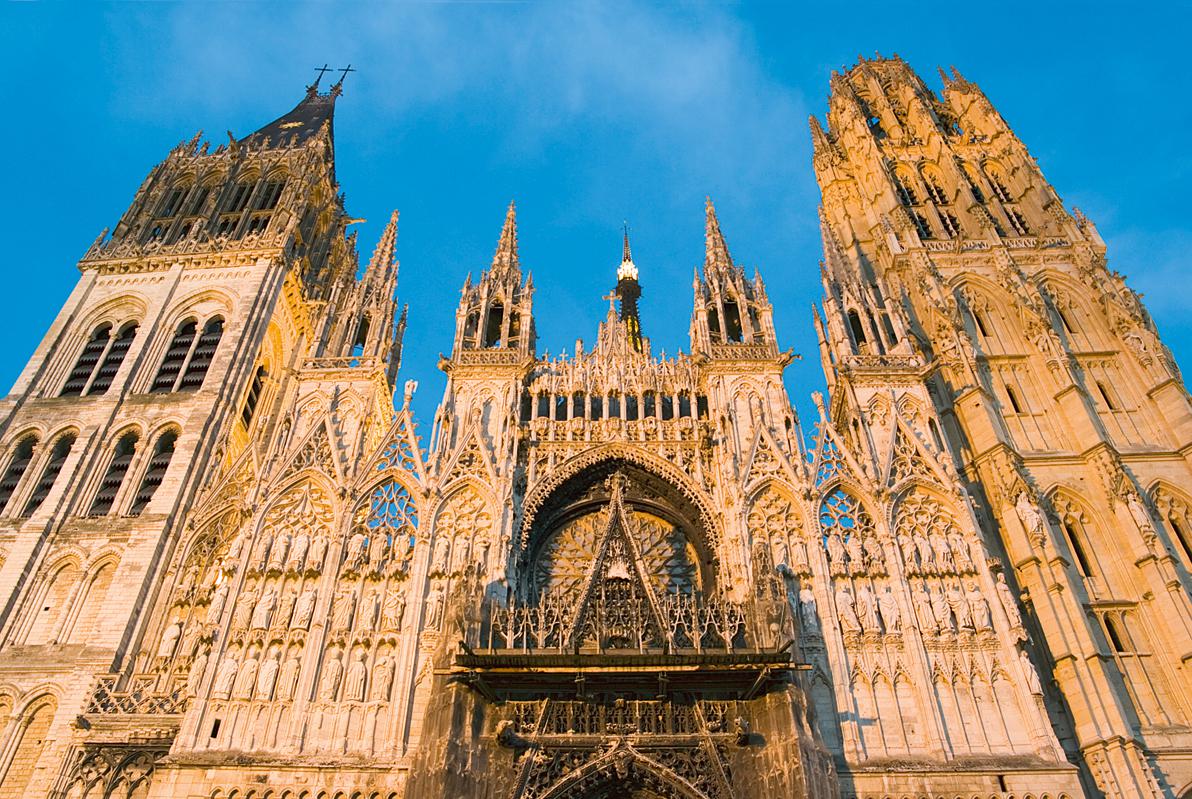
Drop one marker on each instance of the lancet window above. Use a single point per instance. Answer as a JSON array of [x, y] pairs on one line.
[[49, 473], [99, 361], [18, 464], [113, 478], [163, 452], [188, 356]]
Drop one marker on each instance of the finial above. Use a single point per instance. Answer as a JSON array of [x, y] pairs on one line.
[[627, 270], [313, 89], [506, 255], [338, 88]]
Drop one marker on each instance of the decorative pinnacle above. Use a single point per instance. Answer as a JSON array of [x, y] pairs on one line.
[[505, 257], [627, 270], [716, 256]]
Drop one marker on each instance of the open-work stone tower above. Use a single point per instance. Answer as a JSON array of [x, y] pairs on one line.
[[232, 570]]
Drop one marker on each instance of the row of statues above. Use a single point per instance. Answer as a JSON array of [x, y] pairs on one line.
[[267, 678]]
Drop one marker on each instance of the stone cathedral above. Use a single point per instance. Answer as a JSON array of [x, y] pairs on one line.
[[232, 568]]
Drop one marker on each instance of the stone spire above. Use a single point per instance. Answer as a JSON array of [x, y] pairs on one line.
[[505, 259], [628, 292], [716, 256]]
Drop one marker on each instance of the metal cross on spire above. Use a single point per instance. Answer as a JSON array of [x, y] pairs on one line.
[[343, 74], [322, 71]]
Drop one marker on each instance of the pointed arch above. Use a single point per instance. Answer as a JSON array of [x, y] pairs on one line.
[[1175, 508]]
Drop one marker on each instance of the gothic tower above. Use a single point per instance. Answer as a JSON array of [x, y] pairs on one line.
[[957, 282]]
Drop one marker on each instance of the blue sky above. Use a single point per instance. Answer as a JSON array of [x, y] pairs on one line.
[[588, 115]]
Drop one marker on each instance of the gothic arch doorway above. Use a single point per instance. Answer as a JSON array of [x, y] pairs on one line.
[[626, 774]]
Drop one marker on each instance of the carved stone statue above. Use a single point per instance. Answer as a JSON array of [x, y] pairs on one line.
[[225, 676], [1009, 606], [874, 555], [357, 551], [927, 620], [260, 554], [297, 557], [244, 608], [960, 552], [194, 677], [394, 610], [318, 553], [867, 610], [382, 681], [287, 681], [356, 678], [219, 598], [836, 554], [960, 608], [1141, 516], [332, 672], [369, 609], [941, 610], [169, 640], [303, 610], [846, 611], [434, 608], [978, 607], [246, 677], [278, 553], [807, 610], [1032, 676], [1031, 516], [941, 552], [263, 612], [285, 608], [890, 613], [439, 564], [267, 676], [856, 554], [343, 609]]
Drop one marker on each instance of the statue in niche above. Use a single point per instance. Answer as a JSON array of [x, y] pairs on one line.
[[960, 552], [246, 677], [439, 564], [922, 600], [978, 607], [332, 672], [382, 682], [194, 677], [874, 556], [226, 676], [808, 614], [1028, 670], [267, 676], [169, 640], [941, 551], [1031, 516], [242, 616], [369, 609], [799, 558], [231, 558], [285, 608], [482, 549], [891, 616], [394, 610], [846, 611], [356, 677], [867, 610], [190, 578], [1010, 607], [779, 553], [297, 557], [304, 609], [287, 679], [960, 608], [343, 609], [462, 550], [260, 554], [318, 554], [923, 548], [434, 608], [378, 543], [357, 551], [941, 610], [856, 553], [263, 612], [278, 553], [219, 598], [836, 554], [1141, 517]]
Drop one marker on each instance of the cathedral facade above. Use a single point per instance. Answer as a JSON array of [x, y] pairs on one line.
[[233, 569]]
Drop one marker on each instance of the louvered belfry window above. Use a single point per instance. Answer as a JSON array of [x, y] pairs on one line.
[[49, 474], [114, 477], [112, 360], [175, 357], [254, 396], [202, 355], [22, 455], [80, 375], [155, 472]]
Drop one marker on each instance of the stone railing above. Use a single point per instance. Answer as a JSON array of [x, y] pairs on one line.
[[341, 362], [680, 622], [137, 699]]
